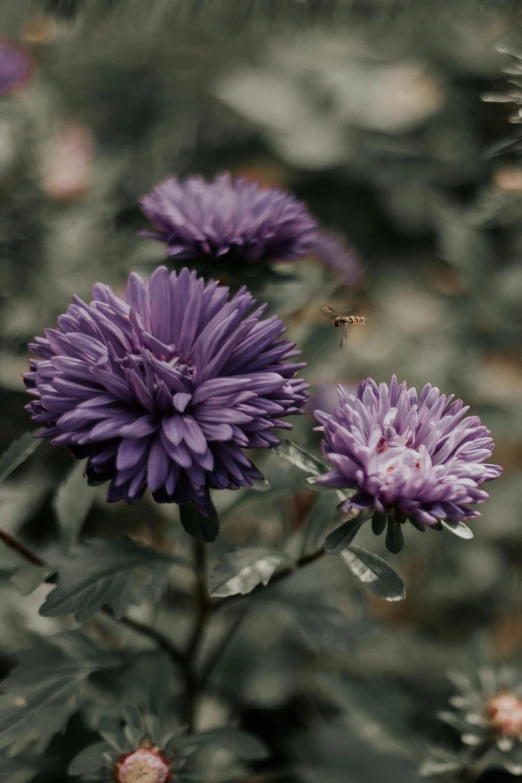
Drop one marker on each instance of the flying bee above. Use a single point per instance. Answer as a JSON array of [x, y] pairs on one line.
[[342, 320]]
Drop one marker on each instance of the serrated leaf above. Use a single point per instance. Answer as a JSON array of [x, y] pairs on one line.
[[114, 572], [458, 529], [245, 746], [17, 453], [43, 691], [72, 502], [343, 536], [374, 573], [300, 458], [240, 572], [197, 525]]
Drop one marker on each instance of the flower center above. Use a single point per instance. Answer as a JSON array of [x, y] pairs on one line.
[[145, 765], [504, 713]]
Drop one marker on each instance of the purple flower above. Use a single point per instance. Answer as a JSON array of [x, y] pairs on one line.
[[406, 451], [237, 221], [165, 388], [15, 67]]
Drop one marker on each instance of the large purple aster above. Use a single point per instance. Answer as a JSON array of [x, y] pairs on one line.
[[238, 221], [414, 453], [165, 388]]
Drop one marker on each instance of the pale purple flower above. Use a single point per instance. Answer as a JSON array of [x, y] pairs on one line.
[[166, 387], [15, 67], [415, 453], [237, 221]]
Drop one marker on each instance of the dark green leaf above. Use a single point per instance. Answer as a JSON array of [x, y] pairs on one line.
[[241, 571], [379, 521], [244, 746], [374, 573], [90, 760], [113, 572], [71, 504], [197, 525], [300, 458], [17, 453], [417, 524], [343, 536], [43, 691], [457, 528], [394, 536]]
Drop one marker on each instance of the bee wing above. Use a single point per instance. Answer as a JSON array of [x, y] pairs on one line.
[[328, 312], [345, 336]]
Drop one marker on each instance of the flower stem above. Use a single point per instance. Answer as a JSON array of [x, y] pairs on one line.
[[193, 683]]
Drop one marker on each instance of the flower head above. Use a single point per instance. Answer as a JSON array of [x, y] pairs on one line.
[[238, 221], [145, 765], [166, 387], [414, 453], [487, 713], [15, 67]]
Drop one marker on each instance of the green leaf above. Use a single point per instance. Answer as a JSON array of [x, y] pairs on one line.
[[457, 528], [43, 691], [379, 521], [245, 746], [72, 503], [320, 519], [241, 571], [90, 761], [300, 458], [417, 524], [28, 578], [374, 573], [17, 453], [343, 536], [311, 483], [113, 572], [394, 536], [18, 770], [197, 525]]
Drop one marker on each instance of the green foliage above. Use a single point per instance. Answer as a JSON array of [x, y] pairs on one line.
[[72, 503], [17, 453], [343, 536], [300, 458], [107, 572], [45, 688], [240, 572], [374, 573], [457, 528]]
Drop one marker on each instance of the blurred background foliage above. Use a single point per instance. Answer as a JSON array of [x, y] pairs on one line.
[[371, 112]]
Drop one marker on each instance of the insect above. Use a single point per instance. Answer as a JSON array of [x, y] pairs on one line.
[[342, 320]]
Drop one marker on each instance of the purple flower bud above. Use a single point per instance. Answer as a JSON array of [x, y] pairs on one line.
[[406, 451], [165, 388]]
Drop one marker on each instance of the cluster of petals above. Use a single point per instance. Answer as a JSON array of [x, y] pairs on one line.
[[398, 449], [235, 220], [165, 388]]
